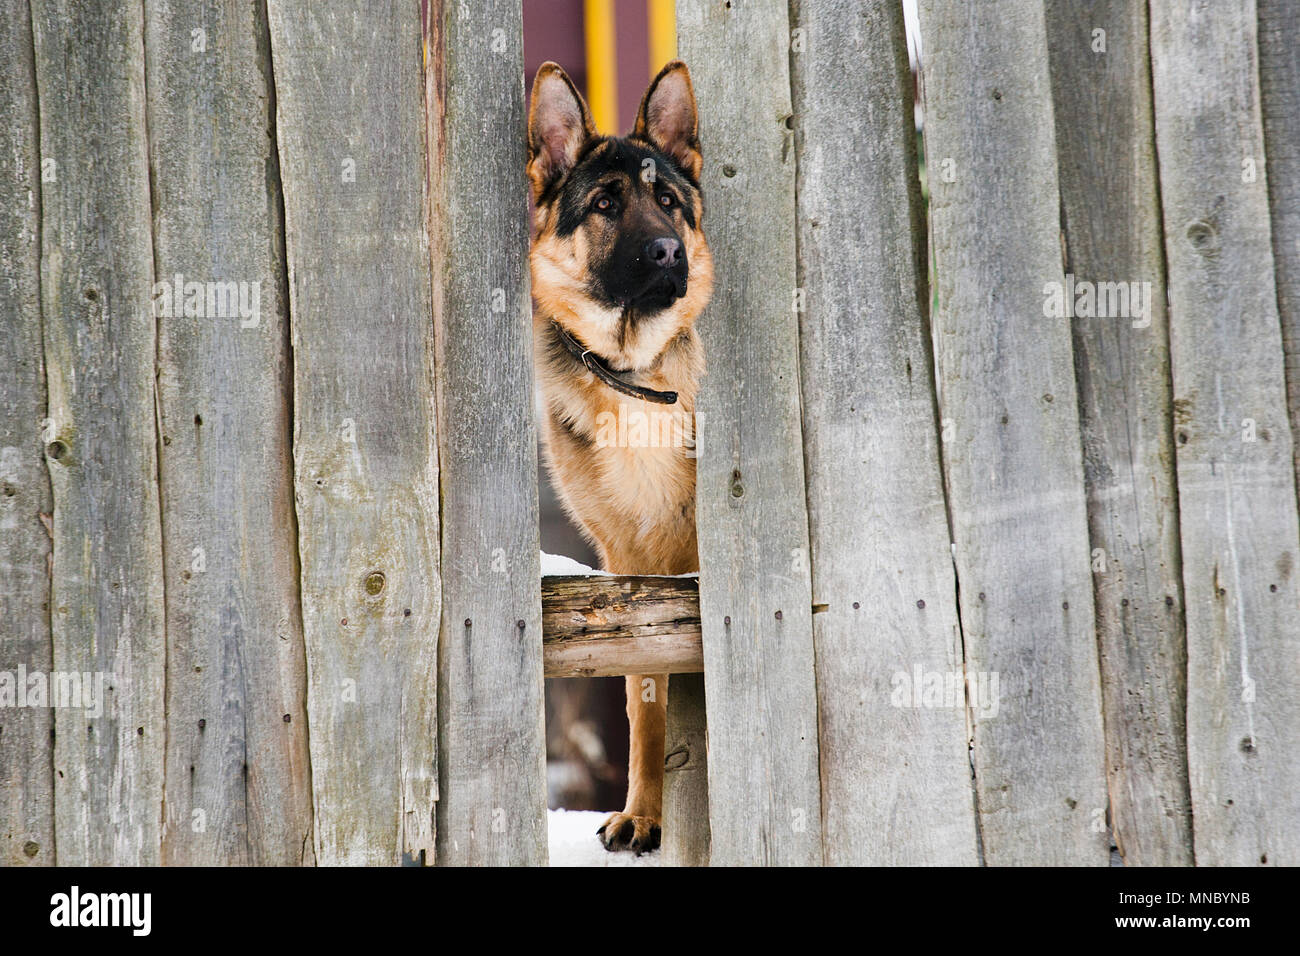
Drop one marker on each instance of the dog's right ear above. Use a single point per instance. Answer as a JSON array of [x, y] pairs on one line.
[[559, 124]]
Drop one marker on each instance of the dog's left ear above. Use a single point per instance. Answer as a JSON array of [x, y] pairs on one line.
[[669, 120]]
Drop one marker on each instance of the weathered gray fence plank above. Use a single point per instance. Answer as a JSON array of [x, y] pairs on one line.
[[238, 776], [755, 592], [96, 280], [26, 741], [1279, 81], [1105, 136], [490, 719], [1236, 484], [352, 159], [896, 778], [1012, 448], [686, 774]]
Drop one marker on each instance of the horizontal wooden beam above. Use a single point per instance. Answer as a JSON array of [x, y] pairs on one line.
[[604, 626]]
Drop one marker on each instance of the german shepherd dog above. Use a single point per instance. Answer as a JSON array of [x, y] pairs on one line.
[[620, 271]]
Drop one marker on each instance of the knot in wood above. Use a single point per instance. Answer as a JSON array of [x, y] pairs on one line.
[[1204, 237]]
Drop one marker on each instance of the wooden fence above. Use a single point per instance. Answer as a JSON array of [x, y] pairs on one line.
[[990, 572]]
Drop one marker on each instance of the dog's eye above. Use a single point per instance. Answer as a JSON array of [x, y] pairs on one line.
[[604, 204], [667, 200]]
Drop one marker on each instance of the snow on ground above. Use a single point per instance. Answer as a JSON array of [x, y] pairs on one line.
[[558, 565], [574, 842]]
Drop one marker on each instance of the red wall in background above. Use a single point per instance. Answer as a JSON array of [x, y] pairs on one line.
[[553, 30]]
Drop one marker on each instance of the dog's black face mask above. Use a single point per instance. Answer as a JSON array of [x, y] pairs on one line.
[[634, 207]]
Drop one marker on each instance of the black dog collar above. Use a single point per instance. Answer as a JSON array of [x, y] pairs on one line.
[[598, 367]]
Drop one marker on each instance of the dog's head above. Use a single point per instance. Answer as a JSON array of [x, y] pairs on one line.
[[619, 257]]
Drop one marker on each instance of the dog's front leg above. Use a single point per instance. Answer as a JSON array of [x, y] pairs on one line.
[[637, 827]]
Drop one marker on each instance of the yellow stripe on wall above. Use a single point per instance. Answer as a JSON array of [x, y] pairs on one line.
[[663, 33], [602, 64]]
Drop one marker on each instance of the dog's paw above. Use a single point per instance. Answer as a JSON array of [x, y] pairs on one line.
[[622, 831]]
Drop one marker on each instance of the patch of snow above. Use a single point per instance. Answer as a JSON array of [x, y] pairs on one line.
[[558, 565], [573, 841]]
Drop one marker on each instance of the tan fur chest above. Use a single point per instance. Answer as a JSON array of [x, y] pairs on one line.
[[625, 468]]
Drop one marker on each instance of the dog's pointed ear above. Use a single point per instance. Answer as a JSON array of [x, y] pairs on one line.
[[558, 126], [668, 118]]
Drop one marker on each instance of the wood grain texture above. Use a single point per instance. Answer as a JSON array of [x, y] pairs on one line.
[[1007, 398], [1279, 82], [352, 156], [491, 733], [1236, 483], [598, 626], [238, 774], [755, 592], [26, 733], [1105, 137], [686, 775], [96, 281], [896, 777]]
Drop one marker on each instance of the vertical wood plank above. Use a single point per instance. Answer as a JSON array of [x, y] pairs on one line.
[[238, 777], [352, 158], [1279, 80], [1105, 136], [896, 778], [1013, 461], [26, 732], [686, 774], [491, 736], [755, 592], [96, 281], [1236, 483]]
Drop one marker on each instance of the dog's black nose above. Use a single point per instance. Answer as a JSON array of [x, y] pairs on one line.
[[664, 252]]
